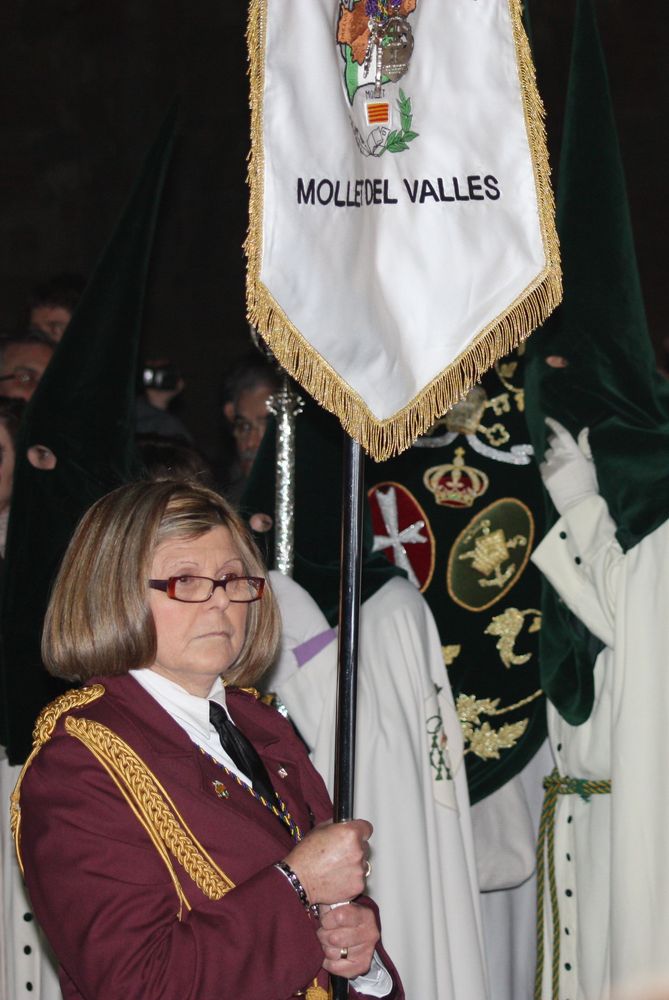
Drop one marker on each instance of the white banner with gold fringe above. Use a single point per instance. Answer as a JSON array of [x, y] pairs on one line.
[[402, 232]]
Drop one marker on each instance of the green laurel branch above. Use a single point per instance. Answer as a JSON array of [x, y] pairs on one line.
[[398, 140]]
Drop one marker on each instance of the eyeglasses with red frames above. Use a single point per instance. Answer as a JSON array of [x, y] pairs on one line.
[[198, 589]]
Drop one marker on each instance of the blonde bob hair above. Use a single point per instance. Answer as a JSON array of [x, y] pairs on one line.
[[99, 622]]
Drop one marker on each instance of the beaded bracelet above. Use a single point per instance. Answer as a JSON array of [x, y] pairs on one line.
[[311, 908]]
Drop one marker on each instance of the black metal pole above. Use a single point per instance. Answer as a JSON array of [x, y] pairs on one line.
[[349, 620]]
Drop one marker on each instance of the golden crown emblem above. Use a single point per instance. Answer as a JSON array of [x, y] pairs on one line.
[[456, 484]]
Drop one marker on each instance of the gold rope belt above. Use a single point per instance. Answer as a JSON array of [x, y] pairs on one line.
[[555, 784]]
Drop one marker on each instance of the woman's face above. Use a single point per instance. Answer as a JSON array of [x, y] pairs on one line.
[[7, 456], [197, 642]]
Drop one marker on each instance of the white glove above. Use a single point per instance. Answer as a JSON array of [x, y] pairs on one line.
[[568, 471]]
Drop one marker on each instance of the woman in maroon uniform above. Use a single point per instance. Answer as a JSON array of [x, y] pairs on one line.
[[175, 839]]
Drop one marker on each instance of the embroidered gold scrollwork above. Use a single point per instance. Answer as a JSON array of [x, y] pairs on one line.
[[496, 434], [450, 654], [506, 369], [480, 737], [500, 404], [507, 627], [467, 416]]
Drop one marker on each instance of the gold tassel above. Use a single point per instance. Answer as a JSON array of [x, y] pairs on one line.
[[317, 992]]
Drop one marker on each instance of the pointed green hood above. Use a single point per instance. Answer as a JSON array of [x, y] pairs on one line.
[[610, 384]]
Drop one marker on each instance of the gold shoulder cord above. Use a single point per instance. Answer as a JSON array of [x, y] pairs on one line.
[[143, 792], [44, 727], [153, 807]]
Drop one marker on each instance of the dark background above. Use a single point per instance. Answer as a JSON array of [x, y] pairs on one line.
[[85, 83]]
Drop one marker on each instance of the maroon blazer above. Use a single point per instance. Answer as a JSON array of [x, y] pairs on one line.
[[131, 919]]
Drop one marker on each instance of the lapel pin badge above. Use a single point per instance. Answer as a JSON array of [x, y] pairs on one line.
[[220, 789]]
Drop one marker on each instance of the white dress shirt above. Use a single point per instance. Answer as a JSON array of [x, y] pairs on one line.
[[191, 713]]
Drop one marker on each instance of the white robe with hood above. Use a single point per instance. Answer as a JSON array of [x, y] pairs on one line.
[[410, 780], [612, 853]]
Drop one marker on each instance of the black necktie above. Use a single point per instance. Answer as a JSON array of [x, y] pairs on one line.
[[241, 752]]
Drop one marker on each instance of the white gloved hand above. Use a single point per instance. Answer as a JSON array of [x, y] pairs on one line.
[[569, 475]]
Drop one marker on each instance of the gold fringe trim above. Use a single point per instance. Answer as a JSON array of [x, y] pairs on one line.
[[154, 808], [384, 438], [42, 732]]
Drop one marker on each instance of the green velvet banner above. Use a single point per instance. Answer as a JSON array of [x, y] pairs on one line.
[[464, 508]]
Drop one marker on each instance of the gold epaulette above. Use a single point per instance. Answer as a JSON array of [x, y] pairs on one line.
[[147, 798], [42, 732], [254, 692]]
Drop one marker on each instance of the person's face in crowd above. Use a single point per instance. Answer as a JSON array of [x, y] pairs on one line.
[[50, 320], [41, 457], [249, 423], [557, 361], [22, 367], [7, 458], [197, 642]]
